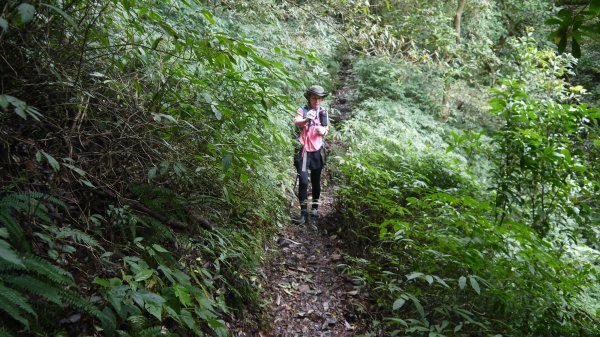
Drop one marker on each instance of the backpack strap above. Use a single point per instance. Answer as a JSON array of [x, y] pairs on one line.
[[323, 118]]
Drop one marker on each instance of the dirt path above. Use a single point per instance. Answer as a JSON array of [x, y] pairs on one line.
[[310, 294]]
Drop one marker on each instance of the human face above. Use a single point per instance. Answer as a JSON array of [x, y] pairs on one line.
[[315, 101]]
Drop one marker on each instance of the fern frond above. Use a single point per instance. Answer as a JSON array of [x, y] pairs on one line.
[[79, 302], [8, 254], [15, 231], [78, 236], [43, 268], [156, 197], [137, 322], [7, 266], [34, 286], [157, 227], [122, 333], [13, 312], [23, 201], [14, 201], [151, 332], [27, 203], [16, 298], [15, 301]]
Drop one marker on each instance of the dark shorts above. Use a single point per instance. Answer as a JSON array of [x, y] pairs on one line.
[[314, 160]]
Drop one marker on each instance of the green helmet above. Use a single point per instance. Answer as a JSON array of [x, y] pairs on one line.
[[316, 90]]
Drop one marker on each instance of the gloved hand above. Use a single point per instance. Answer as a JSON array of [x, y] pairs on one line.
[[311, 114], [321, 130]]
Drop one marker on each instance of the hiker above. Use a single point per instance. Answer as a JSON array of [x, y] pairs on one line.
[[313, 123]]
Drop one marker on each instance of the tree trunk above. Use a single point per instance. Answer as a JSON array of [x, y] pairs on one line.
[[445, 114], [458, 18], [443, 118]]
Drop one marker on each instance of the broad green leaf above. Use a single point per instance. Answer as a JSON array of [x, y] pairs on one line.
[[155, 309], [156, 42], [462, 282], [53, 162], [398, 303], [3, 24], [143, 274], [75, 169], [575, 48], [168, 29], [87, 183], [159, 248], [414, 275], [475, 285], [152, 173], [66, 16], [226, 164], [102, 282], [208, 15], [553, 21], [442, 282], [183, 294], [26, 12], [417, 305]]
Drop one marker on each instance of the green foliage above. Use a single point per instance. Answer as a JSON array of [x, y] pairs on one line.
[[29, 284], [540, 163], [575, 23], [432, 253], [158, 287]]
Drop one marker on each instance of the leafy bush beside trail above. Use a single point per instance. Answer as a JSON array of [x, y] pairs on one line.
[[434, 254]]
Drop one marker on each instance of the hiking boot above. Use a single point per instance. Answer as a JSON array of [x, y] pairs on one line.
[[302, 219], [314, 213]]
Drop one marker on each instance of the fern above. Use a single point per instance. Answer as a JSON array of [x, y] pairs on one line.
[[77, 236], [151, 332], [79, 302], [157, 227], [42, 279], [7, 266], [157, 197], [137, 322], [15, 305], [16, 299], [29, 204], [48, 270], [34, 286], [14, 229]]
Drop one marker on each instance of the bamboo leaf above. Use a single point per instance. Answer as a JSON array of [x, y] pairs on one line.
[[62, 13], [475, 285], [208, 15]]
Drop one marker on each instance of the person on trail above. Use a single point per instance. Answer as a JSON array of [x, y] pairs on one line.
[[313, 122]]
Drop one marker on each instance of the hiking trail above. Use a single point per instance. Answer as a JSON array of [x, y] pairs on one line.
[[310, 293]]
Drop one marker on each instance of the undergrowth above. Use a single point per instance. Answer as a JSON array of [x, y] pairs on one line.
[[420, 199]]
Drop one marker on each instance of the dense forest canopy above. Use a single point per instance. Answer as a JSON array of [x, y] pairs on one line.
[[145, 162]]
